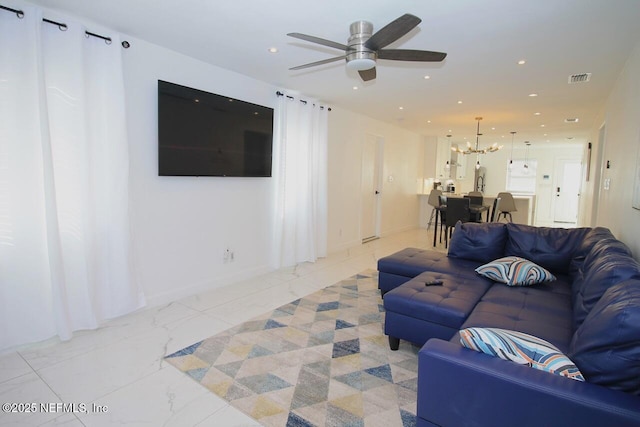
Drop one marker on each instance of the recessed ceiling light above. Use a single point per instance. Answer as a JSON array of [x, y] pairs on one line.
[[449, 130], [428, 121], [522, 62], [355, 88], [533, 95], [273, 50], [493, 128], [542, 126], [536, 114], [196, 100], [401, 108], [427, 77], [459, 102]]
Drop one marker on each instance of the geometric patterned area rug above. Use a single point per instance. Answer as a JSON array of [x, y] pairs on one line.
[[322, 360]]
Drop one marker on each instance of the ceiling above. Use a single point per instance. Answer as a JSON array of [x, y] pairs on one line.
[[481, 76]]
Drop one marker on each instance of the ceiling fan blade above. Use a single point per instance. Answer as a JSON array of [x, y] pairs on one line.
[[367, 75], [392, 31], [324, 61], [318, 40], [411, 55]]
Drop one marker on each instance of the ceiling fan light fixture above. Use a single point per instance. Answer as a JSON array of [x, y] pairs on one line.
[[360, 64], [364, 46]]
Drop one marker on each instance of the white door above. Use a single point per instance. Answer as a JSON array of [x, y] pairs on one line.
[[370, 187], [567, 191]]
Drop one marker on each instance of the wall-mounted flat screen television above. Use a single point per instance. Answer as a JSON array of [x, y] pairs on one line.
[[204, 134]]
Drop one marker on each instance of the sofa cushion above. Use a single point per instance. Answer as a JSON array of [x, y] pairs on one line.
[[481, 242], [523, 349], [535, 310], [602, 273], [606, 346], [515, 271], [605, 246], [591, 238], [551, 248]]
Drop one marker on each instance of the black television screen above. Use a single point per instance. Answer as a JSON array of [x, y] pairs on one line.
[[203, 134]]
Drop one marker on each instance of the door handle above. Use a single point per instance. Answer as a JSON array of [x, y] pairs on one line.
[[377, 192]]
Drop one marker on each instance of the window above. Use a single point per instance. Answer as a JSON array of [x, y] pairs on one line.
[[521, 176]]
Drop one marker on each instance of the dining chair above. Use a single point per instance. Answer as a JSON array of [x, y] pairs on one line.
[[434, 202], [457, 210], [442, 210], [507, 205], [494, 208], [476, 193], [475, 201]]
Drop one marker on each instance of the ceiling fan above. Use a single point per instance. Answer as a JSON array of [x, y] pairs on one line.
[[364, 47]]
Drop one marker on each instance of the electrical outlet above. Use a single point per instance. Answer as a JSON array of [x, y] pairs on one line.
[[228, 256]]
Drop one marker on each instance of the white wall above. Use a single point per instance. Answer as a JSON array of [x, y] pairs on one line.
[[182, 225], [403, 159], [622, 142]]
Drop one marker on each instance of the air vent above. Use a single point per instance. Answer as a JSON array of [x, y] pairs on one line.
[[579, 78], [571, 120]]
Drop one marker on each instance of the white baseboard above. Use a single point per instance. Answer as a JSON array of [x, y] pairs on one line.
[[182, 291]]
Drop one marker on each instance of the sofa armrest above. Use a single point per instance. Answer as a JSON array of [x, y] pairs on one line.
[[462, 387]]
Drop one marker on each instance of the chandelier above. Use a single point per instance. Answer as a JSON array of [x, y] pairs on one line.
[[477, 149]]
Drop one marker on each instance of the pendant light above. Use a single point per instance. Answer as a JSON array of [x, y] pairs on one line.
[[477, 150], [526, 158], [448, 165], [513, 133]]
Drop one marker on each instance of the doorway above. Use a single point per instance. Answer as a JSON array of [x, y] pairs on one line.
[[371, 187], [567, 191]]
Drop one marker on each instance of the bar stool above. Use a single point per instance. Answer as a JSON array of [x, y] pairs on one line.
[[434, 202], [507, 205]]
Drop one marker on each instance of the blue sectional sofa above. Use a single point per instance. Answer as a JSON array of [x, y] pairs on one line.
[[590, 312]]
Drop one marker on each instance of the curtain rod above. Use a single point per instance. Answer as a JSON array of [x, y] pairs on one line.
[[19, 13], [302, 100], [63, 26]]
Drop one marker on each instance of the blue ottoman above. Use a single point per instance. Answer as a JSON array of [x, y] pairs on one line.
[[416, 312]]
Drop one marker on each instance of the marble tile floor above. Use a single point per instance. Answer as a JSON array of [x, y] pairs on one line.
[[116, 374]]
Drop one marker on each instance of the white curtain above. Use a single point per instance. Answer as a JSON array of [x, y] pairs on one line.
[[300, 179], [65, 247]]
